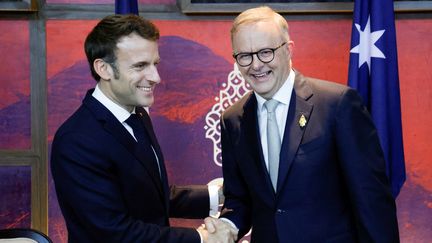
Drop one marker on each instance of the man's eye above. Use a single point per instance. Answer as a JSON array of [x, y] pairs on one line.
[[265, 52], [243, 56], [140, 66]]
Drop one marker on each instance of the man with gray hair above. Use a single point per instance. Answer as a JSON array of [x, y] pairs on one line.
[[301, 157]]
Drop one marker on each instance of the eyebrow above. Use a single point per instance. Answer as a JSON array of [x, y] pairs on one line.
[[252, 52], [145, 63], [138, 64]]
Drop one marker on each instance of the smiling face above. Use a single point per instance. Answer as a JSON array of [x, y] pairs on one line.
[[264, 78], [137, 75]]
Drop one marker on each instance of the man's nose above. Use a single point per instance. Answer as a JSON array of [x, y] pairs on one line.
[[256, 62], [153, 75]]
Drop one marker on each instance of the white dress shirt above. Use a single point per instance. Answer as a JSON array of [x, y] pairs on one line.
[[283, 95]]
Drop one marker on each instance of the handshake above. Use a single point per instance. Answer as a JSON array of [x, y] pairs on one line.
[[217, 231]]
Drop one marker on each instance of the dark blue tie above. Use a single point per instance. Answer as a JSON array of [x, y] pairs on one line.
[[143, 140]]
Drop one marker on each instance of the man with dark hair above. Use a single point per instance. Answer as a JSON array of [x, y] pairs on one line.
[[107, 165]]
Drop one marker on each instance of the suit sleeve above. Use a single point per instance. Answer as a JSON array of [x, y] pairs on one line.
[[88, 191], [190, 202], [237, 206], [363, 166]]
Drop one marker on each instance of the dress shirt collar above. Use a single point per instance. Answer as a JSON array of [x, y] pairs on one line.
[[119, 112], [283, 95]]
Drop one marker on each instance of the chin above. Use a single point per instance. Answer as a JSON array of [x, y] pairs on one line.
[[146, 103], [263, 89]]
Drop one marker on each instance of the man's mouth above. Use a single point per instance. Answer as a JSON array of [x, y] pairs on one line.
[[145, 89], [261, 75]]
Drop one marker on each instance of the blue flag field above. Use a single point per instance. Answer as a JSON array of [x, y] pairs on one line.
[[126, 7], [373, 72]]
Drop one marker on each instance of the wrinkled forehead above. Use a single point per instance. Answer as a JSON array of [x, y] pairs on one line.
[[255, 36]]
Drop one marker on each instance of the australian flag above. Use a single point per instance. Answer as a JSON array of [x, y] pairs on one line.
[[373, 71], [126, 7]]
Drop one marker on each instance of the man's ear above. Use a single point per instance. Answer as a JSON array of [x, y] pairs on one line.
[[290, 46], [103, 69]]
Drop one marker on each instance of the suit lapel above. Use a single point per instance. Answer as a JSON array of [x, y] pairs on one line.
[[298, 107], [149, 129], [253, 141], [118, 131]]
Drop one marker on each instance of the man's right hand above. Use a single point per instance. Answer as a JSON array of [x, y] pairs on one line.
[[217, 231]]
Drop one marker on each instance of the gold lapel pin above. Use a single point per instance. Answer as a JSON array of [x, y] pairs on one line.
[[302, 121]]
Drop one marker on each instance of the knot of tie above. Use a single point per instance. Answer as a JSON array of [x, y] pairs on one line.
[[133, 119], [135, 122], [271, 105]]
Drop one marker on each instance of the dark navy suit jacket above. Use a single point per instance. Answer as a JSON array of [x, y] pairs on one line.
[[108, 191], [332, 185]]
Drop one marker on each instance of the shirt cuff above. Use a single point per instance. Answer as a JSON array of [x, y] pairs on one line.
[[201, 237], [214, 200], [229, 222]]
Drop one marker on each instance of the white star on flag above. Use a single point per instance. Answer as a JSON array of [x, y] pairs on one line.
[[367, 48]]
